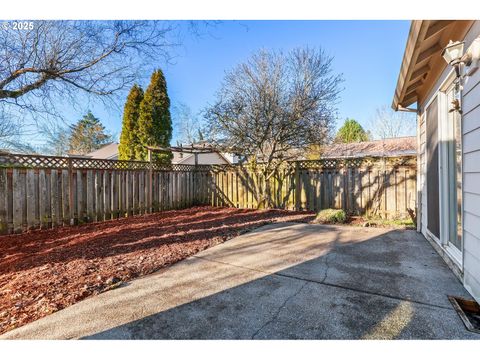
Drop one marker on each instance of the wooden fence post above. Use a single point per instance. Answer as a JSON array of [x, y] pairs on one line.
[[150, 182], [70, 192], [195, 181]]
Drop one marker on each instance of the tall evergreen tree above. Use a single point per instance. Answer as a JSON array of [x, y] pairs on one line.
[[87, 135], [155, 123], [351, 131], [129, 141]]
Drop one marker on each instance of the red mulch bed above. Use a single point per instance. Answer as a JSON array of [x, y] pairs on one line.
[[47, 270]]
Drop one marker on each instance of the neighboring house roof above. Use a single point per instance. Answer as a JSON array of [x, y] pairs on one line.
[[215, 157], [422, 62], [401, 146], [109, 151], [212, 158]]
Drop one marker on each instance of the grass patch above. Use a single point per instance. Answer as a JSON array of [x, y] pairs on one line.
[[395, 223]]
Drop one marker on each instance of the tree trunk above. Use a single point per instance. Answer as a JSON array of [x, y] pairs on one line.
[[264, 191]]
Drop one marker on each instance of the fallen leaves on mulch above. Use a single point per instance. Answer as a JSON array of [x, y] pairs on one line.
[[47, 270]]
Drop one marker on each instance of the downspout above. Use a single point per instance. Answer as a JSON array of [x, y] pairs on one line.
[[419, 175], [418, 201]]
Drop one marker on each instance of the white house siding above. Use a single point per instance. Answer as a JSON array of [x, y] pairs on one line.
[[471, 186], [204, 158], [471, 170]]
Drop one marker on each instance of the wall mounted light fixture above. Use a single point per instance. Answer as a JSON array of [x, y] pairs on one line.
[[465, 64]]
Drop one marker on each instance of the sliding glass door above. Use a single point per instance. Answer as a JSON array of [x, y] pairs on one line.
[[444, 170]]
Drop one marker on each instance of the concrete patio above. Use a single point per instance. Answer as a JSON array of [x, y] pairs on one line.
[[282, 281]]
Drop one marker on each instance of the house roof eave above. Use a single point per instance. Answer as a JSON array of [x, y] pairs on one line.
[[422, 63]]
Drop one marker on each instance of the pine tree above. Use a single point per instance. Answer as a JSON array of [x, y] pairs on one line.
[[87, 135], [155, 123], [129, 141], [351, 131]]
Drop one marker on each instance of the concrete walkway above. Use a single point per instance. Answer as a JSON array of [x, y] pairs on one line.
[[282, 281]]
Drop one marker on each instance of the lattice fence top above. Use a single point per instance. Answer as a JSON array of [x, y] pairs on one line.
[[357, 162], [408, 161], [76, 163]]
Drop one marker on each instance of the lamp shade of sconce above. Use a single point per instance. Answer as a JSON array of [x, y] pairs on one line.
[[453, 52]]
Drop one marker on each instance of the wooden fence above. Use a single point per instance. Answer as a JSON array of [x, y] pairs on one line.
[[384, 187], [44, 191]]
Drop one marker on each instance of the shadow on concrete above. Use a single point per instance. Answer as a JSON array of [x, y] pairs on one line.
[[385, 286]]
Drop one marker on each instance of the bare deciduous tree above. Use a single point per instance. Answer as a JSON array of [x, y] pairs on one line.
[[57, 138], [388, 123], [187, 123], [273, 106], [10, 131]]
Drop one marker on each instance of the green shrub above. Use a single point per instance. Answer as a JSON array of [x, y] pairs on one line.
[[331, 216]]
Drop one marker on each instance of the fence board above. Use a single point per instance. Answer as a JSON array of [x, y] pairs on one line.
[[18, 200], [90, 196], [31, 203], [106, 195], [54, 197], [65, 188]]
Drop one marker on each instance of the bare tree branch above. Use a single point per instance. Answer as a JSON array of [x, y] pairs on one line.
[[61, 57], [187, 123], [388, 123]]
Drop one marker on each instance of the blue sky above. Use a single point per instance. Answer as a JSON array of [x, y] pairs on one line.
[[368, 53]]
